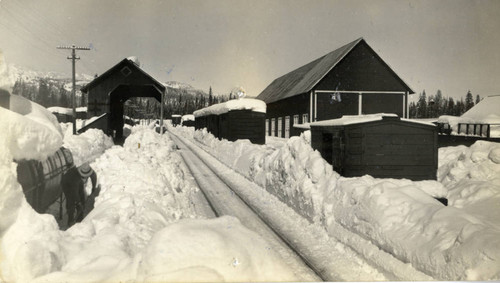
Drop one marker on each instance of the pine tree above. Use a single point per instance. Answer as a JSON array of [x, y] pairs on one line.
[[439, 102], [43, 93], [478, 99], [459, 108], [469, 102], [413, 110], [210, 97], [422, 106], [450, 107]]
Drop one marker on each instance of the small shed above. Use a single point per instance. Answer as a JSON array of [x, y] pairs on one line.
[[380, 145], [187, 120], [235, 119], [176, 119]]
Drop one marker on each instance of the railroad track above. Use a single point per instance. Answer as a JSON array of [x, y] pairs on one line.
[[306, 247], [224, 201]]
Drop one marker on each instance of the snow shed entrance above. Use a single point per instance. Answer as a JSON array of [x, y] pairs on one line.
[[380, 146], [108, 92], [118, 97]]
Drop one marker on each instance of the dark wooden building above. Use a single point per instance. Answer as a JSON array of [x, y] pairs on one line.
[[383, 147], [108, 92], [176, 119], [241, 122], [352, 80]]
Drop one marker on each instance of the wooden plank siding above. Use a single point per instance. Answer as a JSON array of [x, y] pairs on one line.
[[235, 125], [384, 149], [361, 70], [354, 70]]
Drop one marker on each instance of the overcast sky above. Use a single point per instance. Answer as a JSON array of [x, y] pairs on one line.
[[449, 45]]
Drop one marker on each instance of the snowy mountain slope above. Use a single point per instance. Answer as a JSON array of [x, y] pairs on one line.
[[27, 83]]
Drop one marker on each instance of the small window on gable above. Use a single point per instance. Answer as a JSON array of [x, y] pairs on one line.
[[126, 71]]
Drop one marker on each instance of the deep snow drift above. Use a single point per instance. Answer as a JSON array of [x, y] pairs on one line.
[[145, 226], [458, 242]]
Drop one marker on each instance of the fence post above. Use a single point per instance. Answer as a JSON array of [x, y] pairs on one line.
[[488, 131]]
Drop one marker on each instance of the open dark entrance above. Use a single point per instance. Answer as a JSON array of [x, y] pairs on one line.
[[118, 97]]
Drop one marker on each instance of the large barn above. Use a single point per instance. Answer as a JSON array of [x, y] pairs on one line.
[[352, 80]]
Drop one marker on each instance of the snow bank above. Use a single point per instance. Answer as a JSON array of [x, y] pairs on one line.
[[139, 230], [211, 251], [399, 216], [28, 132], [35, 112], [235, 104], [472, 176], [87, 146]]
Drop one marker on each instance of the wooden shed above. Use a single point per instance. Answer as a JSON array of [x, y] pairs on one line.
[[176, 119], [383, 146], [108, 92], [234, 120], [187, 120], [351, 80]]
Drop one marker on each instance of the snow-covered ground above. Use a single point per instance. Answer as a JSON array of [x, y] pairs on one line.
[[457, 242], [149, 225], [146, 224]]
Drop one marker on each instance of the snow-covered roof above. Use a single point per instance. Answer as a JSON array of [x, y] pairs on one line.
[[302, 126], [486, 111], [358, 119], [189, 117], [175, 115], [353, 119], [66, 111], [61, 110], [253, 104], [305, 78]]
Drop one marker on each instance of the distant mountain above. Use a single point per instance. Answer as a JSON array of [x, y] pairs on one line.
[[45, 88]]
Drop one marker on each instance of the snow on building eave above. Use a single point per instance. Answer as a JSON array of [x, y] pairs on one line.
[[359, 119], [252, 104], [188, 117], [352, 119]]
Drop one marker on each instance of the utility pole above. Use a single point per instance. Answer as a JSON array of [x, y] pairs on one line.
[[161, 111], [73, 96]]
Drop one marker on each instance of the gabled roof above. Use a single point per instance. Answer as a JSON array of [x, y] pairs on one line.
[[117, 68], [305, 78]]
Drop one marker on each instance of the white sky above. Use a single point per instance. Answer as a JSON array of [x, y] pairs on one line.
[[447, 45]]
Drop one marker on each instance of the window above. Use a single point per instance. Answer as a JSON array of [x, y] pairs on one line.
[[305, 118], [280, 127], [287, 126], [273, 127], [267, 127], [295, 119]]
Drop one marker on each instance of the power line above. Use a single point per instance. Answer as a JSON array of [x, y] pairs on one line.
[[73, 58], [31, 24]]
